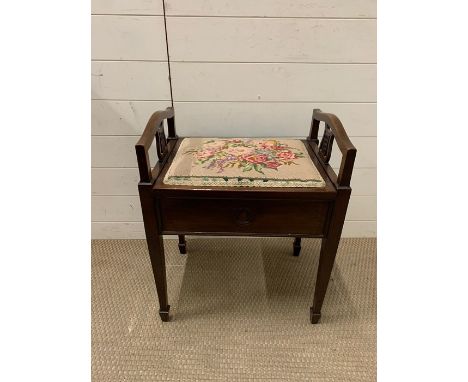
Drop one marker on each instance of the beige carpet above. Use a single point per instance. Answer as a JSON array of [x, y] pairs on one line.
[[240, 312]]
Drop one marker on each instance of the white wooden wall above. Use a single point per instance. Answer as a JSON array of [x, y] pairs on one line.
[[238, 67]]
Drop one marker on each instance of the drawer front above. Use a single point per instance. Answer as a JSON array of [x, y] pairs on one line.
[[252, 216]]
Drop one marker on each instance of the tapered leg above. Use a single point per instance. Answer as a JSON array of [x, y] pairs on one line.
[[158, 263], [328, 252], [327, 259], [182, 245], [297, 246], [156, 249]]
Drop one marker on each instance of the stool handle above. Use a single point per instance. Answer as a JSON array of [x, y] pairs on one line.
[[154, 130], [334, 130]]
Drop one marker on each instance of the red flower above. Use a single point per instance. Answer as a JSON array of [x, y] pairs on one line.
[[286, 155], [259, 158], [272, 164]]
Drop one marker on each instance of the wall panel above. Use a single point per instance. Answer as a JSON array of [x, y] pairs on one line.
[[130, 7], [130, 80], [274, 82], [110, 117], [273, 8], [266, 118], [128, 38], [114, 181], [271, 40]]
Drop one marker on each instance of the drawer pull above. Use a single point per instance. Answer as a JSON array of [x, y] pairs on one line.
[[244, 216]]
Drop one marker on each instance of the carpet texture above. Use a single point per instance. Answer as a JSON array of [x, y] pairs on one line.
[[240, 312]]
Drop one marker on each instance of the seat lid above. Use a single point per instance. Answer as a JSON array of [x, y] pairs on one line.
[[243, 162]]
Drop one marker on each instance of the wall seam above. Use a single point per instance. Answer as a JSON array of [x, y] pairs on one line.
[[167, 52]]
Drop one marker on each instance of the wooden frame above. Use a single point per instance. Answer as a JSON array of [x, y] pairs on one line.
[[246, 211]]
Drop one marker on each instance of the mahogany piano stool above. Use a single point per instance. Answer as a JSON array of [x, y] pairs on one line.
[[311, 212]]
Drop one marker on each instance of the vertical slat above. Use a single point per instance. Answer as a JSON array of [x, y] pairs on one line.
[[143, 163], [161, 142], [171, 134]]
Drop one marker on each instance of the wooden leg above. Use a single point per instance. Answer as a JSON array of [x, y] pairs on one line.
[[328, 253], [158, 263], [297, 246], [156, 250], [327, 259], [182, 245]]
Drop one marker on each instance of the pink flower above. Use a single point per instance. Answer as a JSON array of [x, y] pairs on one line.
[[204, 154], [272, 164], [286, 155], [259, 158]]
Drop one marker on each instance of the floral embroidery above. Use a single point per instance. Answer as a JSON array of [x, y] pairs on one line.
[[245, 154]]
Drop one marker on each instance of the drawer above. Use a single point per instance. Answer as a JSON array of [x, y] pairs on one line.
[[249, 216]]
